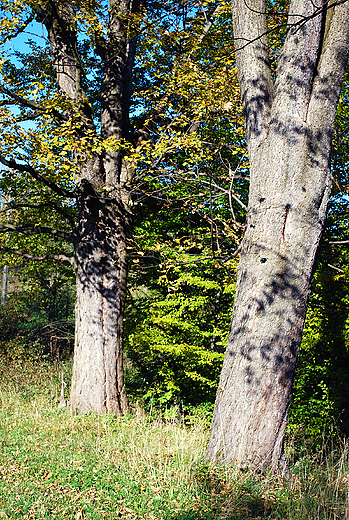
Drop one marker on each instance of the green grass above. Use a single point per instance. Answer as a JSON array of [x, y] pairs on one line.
[[55, 465]]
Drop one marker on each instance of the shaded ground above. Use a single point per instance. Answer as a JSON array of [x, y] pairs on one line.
[[54, 465]]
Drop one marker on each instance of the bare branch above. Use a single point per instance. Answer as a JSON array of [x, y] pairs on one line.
[[57, 208], [206, 29], [30, 103], [33, 229], [230, 192], [336, 268], [236, 252], [60, 258], [26, 168], [24, 25]]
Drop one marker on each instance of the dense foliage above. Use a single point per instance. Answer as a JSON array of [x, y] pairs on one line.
[[38, 318], [189, 202]]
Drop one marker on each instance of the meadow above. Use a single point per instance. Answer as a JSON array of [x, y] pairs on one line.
[[143, 466]]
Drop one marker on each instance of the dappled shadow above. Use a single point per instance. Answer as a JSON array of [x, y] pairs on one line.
[[100, 253], [268, 313], [290, 185], [289, 192], [220, 497], [101, 271]]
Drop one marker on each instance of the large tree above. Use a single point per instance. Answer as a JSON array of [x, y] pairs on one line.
[[70, 153], [72, 171], [289, 119]]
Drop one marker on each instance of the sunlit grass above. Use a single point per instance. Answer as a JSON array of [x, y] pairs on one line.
[[55, 465]]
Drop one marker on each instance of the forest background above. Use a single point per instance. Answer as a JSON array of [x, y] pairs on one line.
[[189, 203]]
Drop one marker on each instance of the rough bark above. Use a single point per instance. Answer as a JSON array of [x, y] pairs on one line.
[[101, 275], [5, 276], [288, 128], [104, 211]]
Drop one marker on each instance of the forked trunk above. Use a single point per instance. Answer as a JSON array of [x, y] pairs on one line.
[[289, 126], [101, 275], [103, 181]]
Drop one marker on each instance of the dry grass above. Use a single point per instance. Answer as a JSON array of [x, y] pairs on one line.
[[55, 465]]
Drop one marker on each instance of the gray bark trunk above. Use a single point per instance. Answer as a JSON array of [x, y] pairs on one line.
[[101, 276], [288, 127], [103, 186], [5, 274]]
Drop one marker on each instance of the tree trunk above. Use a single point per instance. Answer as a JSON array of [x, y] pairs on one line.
[[103, 185], [101, 276], [284, 226], [5, 275], [289, 127]]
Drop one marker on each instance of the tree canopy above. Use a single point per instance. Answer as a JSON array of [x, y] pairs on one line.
[[125, 159]]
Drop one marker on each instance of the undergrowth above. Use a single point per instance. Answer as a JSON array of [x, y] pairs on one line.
[[55, 465]]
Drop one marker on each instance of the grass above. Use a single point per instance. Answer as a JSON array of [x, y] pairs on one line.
[[55, 465]]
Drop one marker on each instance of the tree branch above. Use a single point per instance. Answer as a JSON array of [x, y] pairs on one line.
[[24, 25], [30, 103], [206, 29], [33, 229], [336, 268], [59, 210], [61, 258], [61, 29], [26, 168]]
